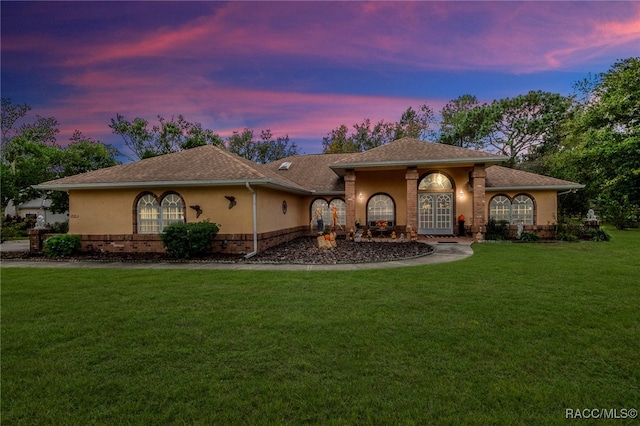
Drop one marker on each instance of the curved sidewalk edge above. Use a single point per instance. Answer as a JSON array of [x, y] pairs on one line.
[[444, 252]]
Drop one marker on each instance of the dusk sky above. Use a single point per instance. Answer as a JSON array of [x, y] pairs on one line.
[[297, 68]]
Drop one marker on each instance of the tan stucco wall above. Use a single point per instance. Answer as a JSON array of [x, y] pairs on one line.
[[270, 214], [112, 211], [545, 204]]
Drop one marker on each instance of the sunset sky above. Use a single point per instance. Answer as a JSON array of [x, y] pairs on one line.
[[296, 68]]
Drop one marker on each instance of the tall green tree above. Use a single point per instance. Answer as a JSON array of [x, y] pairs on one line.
[[603, 141], [460, 125], [261, 151], [31, 155], [415, 124], [365, 136], [82, 154], [163, 138], [518, 127], [28, 149]]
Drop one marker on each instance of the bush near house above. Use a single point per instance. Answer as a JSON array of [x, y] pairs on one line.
[[185, 240], [62, 245]]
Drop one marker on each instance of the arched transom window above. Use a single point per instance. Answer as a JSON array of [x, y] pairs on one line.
[[152, 217], [435, 181], [518, 210]]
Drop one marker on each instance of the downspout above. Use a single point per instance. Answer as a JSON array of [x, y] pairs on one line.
[[255, 223]]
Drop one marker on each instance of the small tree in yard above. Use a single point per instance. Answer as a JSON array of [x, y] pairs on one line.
[[186, 240]]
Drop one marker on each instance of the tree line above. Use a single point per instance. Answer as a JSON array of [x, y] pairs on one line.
[[591, 137]]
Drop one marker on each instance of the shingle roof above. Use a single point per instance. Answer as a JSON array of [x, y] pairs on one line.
[[312, 171], [414, 152], [211, 165], [503, 178], [207, 165]]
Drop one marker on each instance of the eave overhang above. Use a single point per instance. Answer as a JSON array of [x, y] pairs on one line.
[[340, 168], [533, 188], [270, 183]]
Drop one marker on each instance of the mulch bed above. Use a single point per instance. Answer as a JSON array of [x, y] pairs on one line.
[[299, 251]]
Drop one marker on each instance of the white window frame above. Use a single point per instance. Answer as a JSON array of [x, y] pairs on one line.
[[500, 208], [518, 210], [153, 217], [522, 210], [381, 207]]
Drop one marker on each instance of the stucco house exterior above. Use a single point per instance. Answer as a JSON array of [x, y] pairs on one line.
[[405, 184]]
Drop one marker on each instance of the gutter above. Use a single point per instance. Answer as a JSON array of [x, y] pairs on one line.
[[155, 184], [534, 188], [255, 223]]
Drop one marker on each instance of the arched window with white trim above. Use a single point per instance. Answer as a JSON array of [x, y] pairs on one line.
[[148, 213], [500, 209], [380, 209], [522, 210], [518, 210], [153, 217], [172, 210]]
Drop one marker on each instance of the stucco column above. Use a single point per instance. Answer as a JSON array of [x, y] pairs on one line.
[[350, 198], [479, 219], [412, 197]]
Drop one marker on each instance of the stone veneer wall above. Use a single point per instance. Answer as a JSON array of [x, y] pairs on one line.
[[151, 243]]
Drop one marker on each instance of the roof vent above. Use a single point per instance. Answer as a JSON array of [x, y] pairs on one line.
[[285, 166]]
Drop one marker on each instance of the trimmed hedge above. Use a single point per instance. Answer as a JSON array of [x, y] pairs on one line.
[[186, 240]]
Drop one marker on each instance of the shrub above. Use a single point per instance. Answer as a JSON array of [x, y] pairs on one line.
[[529, 237], [187, 240], [565, 236], [497, 230], [596, 234], [62, 245], [15, 227], [60, 227]]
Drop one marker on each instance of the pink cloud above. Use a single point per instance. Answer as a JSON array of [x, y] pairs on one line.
[[425, 35]]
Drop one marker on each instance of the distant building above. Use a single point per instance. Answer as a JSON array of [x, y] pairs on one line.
[[34, 208]]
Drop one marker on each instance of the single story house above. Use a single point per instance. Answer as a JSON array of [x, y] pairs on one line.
[[34, 208], [406, 184]]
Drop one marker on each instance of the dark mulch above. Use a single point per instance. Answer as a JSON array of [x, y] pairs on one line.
[[299, 251]]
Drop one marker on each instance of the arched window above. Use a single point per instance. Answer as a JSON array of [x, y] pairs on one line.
[[341, 210], [435, 181], [320, 209], [518, 210], [522, 210], [172, 210], [148, 215], [380, 208], [153, 217], [500, 208]]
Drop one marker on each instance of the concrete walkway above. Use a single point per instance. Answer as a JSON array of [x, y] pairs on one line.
[[15, 245], [444, 252]]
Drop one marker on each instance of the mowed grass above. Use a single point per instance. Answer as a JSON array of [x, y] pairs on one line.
[[515, 334]]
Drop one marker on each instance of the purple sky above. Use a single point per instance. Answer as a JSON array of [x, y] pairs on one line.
[[297, 68]]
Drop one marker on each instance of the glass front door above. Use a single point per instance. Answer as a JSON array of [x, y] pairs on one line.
[[435, 213]]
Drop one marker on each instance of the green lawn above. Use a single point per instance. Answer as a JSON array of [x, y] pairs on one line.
[[515, 334]]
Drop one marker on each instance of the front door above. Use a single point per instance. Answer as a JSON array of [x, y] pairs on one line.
[[435, 213]]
